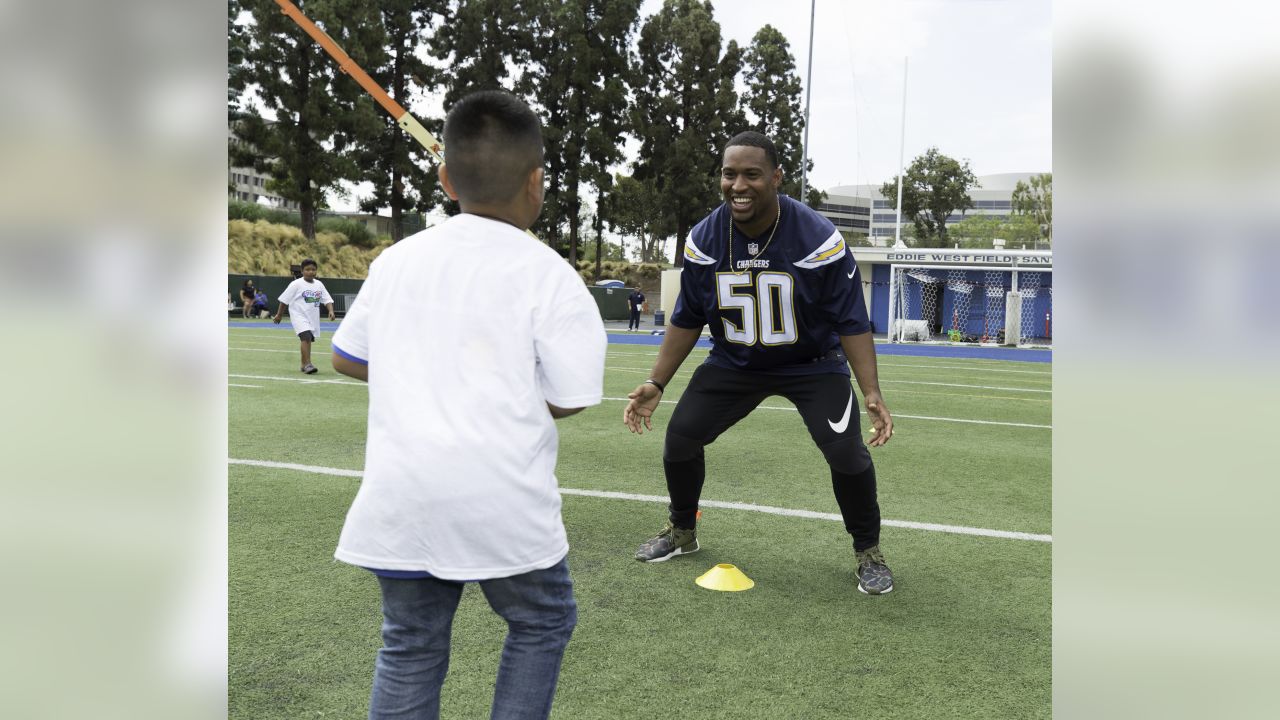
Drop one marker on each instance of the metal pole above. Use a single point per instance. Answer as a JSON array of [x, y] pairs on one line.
[[902, 146], [808, 90]]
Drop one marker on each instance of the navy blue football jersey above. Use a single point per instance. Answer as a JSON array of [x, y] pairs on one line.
[[782, 311]]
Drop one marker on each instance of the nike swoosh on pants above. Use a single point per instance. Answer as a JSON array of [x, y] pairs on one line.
[[839, 427]]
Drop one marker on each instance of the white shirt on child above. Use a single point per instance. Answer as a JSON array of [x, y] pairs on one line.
[[469, 329], [304, 300]]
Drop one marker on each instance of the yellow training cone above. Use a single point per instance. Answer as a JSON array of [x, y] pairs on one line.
[[725, 577]]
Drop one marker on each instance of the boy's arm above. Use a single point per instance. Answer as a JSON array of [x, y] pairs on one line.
[[329, 306], [559, 412], [351, 368], [279, 313]]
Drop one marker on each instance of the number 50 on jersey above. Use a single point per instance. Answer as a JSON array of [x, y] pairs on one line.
[[766, 306]]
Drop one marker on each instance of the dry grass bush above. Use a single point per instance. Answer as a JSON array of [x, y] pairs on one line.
[[265, 248], [642, 275]]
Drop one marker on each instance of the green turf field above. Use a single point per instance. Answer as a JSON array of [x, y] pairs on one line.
[[966, 632]]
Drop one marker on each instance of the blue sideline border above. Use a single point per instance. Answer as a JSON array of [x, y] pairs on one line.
[[942, 351]]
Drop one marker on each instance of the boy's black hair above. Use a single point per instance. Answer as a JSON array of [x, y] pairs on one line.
[[492, 140], [751, 138], [311, 262]]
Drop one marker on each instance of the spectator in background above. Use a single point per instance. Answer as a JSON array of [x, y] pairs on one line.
[[247, 291], [260, 301], [635, 301]]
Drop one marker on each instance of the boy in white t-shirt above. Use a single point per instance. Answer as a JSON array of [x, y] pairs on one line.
[[303, 297], [459, 479]]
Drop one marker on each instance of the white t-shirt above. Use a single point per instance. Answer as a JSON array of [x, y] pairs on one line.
[[469, 329], [304, 300]]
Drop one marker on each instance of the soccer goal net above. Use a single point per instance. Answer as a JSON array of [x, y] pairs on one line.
[[987, 305]]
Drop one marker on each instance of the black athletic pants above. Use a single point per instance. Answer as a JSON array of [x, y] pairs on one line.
[[633, 323], [717, 398]]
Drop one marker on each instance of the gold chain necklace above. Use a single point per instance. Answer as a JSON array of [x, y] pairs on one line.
[[777, 221]]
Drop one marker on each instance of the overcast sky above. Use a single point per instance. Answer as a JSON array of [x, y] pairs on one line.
[[979, 83]]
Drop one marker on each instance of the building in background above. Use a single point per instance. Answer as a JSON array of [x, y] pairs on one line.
[[861, 208], [249, 185]]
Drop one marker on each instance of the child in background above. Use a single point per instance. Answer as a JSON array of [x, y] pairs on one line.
[[304, 297], [260, 304]]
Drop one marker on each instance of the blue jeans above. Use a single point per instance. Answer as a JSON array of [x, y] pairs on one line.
[[417, 620]]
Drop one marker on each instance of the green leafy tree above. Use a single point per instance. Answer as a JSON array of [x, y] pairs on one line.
[[578, 76], [635, 210], [308, 149], [773, 97], [981, 231], [402, 172], [855, 239], [237, 48], [685, 102], [935, 186], [477, 41], [1035, 200]]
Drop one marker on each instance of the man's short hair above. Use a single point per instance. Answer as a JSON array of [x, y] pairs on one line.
[[751, 138], [310, 262], [492, 141]]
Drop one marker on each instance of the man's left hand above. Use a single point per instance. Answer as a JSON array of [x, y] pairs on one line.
[[881, 420]]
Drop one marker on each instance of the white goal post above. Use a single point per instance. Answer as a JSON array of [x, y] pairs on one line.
[[987, 305]]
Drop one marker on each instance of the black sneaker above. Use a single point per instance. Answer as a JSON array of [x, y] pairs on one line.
[[667, 544], [309, 369], [874, 577]]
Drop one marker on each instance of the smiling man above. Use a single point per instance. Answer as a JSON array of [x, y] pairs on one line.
[[783, 298]]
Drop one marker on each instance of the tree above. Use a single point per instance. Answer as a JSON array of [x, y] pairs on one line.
[[237, 48], [1035, 200], [477, 41], [595, 248], [773, 97], [935, 186], [684, 100], [401, 170], [980, 231], [307, 149], [579, 66], [855, 239], [635, 210]]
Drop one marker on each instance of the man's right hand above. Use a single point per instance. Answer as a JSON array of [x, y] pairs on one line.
[[639, 411], [276, 319]]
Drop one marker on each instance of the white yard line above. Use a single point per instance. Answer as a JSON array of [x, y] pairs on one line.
[[243, 386], [310, 381], [963, 367], [882, 380], [786, 512], [961, 385], [303, 380], [895, 415]]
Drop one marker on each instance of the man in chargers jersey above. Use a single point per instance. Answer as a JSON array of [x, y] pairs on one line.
[[783, 298]]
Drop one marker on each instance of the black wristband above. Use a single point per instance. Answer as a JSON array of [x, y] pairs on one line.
[[657, 384]]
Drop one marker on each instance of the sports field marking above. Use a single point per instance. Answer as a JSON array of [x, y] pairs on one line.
[[895, 415], [645, 370], [786, 512], [304, 381], [961, 385], [964, 367], [295, 350], [243, 386], [882, 380], [309, 381], [900, 391]]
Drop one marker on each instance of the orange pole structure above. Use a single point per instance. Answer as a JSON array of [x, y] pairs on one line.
[[349, 66]]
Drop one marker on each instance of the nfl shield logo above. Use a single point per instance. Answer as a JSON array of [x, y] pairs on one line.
[[753, 248]]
